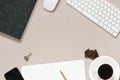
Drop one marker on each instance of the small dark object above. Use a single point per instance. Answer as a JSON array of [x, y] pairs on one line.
[[13, 74], [91, 54], [105, 71], [27, 57]]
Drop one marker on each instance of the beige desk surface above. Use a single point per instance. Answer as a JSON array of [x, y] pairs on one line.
[[59, 36]]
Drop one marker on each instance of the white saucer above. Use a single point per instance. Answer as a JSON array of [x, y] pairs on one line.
[[93, 69]]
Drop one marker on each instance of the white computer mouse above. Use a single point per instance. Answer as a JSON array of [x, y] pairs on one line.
[[50, 5]]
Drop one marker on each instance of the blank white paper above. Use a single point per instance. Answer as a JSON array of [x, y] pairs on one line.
[[73, 70]]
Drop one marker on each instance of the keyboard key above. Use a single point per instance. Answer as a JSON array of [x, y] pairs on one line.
[[115, 29], [114, 34]]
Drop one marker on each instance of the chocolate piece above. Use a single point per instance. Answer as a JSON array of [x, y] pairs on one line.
[[91, 54]]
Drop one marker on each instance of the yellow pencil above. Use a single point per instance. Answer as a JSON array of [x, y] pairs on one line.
[[63, 75]]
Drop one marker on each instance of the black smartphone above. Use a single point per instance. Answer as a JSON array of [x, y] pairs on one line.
[[13, 74]]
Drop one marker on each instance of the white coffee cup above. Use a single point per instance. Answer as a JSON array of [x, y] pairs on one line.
[[95, 65]]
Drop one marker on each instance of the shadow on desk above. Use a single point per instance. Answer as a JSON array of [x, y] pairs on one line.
[[12, 38]]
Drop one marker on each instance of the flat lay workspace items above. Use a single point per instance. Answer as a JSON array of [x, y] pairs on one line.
[[14, 16], [98, 63], [60, 36], [50, 5], [71, 70]]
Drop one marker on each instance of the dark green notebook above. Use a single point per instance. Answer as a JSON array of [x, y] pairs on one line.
[[14, 15]]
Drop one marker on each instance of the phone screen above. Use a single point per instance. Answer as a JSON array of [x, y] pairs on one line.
[[13, 74]]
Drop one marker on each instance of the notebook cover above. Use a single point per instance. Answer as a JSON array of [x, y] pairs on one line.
[[14, 15]]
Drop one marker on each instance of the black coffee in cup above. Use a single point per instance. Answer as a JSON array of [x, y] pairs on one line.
[[105, 71]]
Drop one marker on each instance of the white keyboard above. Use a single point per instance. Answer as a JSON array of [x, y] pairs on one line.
[[102, 12]]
